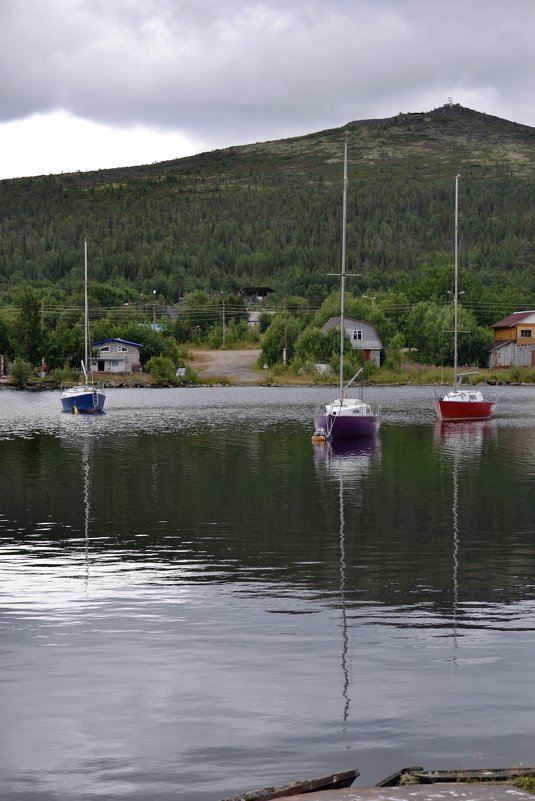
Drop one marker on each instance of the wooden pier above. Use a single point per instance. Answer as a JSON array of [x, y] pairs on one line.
[[408, 784], [460, 791]]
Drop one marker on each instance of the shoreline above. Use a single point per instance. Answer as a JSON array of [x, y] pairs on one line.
[[48, 387]]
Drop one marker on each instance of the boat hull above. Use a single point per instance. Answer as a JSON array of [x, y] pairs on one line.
[[85, 401], [346, 427], [453, 410]]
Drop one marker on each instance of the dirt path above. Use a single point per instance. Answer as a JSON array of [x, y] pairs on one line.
[[237, 366]]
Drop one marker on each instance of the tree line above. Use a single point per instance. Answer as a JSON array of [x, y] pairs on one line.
[[290, 331]]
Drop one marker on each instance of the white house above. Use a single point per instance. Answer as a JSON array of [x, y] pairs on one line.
[[116, 356], [362, 336]]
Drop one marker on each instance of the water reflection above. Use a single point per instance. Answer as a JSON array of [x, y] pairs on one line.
[[86, 495], [351, 458], [464, 438], [460, 441], [455, 527], [182, 576], [345, 462]]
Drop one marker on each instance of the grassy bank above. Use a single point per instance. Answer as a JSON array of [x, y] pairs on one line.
[[407, 375]]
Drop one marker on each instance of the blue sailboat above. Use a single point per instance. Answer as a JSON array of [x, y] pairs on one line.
[[83, 398]]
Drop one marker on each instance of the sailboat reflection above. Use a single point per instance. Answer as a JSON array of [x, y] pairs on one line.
[[345, 462], [350, 458], [463, 438], [455, 526], [86, 494], [461, 442]]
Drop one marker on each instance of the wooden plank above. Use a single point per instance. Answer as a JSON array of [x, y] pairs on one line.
[[460, 791], [331, 782], [421, 776], [395, 778]]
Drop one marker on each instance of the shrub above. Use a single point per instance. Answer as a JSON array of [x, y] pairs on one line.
[[161, 368], [190, 375], [393, 357], [64, 375], [20, 372]]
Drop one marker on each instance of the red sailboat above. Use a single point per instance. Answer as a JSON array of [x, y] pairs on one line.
[[461, 402]]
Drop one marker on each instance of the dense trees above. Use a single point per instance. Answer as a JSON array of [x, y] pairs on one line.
[[400, 236], [426, 326]]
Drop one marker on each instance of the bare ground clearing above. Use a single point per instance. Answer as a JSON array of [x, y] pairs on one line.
[[237, 366]]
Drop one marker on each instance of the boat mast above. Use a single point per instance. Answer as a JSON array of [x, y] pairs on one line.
[[86, 312], [456, 287], [343, 272]]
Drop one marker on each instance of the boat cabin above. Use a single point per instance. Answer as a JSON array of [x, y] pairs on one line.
[[116, 356]]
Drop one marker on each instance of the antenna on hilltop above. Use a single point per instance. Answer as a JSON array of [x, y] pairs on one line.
[[450, 101]]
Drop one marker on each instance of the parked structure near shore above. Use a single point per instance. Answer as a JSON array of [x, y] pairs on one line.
[[116, 356], [362, 336], [514, 341]]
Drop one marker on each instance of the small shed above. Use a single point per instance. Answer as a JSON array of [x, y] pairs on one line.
[[362, 336], [116, 356], [256, 292]]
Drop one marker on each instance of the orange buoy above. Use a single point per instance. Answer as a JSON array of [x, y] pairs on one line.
[[319, 436]]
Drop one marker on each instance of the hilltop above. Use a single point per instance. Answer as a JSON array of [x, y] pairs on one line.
[[445, 139]]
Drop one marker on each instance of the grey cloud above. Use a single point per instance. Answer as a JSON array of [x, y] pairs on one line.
[[236, 71]]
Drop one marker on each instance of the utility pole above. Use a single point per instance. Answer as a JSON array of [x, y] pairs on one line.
[[223, 308], [154, 309], [285, 349]]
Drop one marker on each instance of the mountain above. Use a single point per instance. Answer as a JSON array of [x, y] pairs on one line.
[[269, 213]]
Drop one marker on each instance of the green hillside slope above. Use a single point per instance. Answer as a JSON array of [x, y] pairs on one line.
[[269, 214]]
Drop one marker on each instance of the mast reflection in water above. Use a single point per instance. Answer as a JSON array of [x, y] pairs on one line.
[[345, 462], [463, 442]]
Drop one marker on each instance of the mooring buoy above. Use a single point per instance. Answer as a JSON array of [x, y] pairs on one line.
[[319, 436]]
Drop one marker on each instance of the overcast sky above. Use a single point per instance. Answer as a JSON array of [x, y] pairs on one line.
[[89, 84]]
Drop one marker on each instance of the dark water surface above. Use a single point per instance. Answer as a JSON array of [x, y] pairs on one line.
[[196, 601]]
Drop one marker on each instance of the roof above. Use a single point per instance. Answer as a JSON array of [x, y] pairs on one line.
[[334, 322], [256, 290], [116, 339], [351, 323], [501, 344], [513, 319]]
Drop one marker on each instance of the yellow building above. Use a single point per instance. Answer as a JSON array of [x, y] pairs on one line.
[[514, 341]]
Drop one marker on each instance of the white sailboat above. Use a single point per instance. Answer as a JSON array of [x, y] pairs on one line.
[[461, 402], [345, 417], [83, 398]]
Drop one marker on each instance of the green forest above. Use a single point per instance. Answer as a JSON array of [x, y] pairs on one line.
[[179, 244]]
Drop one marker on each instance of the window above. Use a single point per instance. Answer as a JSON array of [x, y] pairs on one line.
[[525, 333], [105, 349], [357, 335], [121, 349]]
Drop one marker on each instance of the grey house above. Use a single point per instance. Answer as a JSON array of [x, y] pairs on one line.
[[116, 356], [362, 336]]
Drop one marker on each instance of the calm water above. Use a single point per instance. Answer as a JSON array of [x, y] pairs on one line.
[[196, 601]]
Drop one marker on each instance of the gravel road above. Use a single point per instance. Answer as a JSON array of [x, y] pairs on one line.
[[238, 366]]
